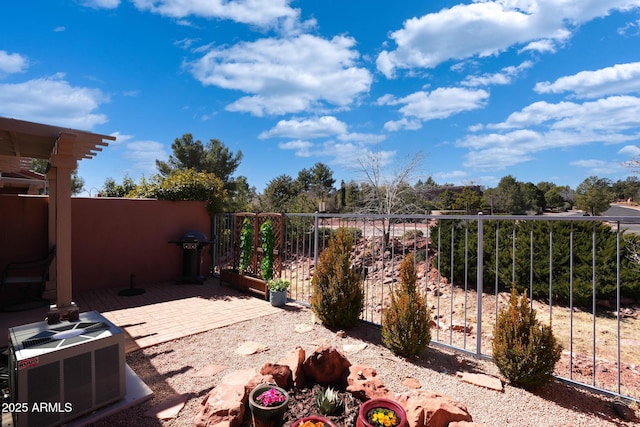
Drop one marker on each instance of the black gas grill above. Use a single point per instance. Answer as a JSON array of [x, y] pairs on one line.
[[192, 243]]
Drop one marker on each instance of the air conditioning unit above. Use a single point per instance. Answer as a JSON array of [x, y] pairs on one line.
[[62, 371]]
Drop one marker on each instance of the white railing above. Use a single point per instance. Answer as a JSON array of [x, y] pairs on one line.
[[575, 271]]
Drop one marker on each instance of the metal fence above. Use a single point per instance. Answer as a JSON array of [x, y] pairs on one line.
[[465, 265]]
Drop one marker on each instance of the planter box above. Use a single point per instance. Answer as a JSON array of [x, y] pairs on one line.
[[245, 283]]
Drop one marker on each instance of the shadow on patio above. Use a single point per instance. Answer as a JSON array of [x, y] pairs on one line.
[[163, 313]]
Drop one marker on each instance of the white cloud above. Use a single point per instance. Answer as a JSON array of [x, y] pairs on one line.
[[53, 101], [301, 148], [437, 104], [143, 155], [120, 138], [59, 29], [404, 123], [318, 127], [543, 126], [598, 167], [606, 115], [262, 13], [286, 75], [362, 138], [630, 150], [487, 28], [504, 77], [12, 62], [619, 79], [101, 4], [349, 155]]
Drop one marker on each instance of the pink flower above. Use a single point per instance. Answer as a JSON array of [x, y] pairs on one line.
[[271, 397]]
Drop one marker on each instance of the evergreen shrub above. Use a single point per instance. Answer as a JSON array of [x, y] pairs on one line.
[[337, 297], [524, 350], [406, 323]]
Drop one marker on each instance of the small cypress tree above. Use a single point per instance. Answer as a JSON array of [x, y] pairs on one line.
[[524, 350], [337, 297], [406, 323]]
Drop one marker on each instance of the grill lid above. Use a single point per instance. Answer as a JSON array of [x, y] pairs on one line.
[[194, 236]]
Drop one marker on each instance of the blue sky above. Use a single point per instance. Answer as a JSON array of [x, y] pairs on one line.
[[544, 90]]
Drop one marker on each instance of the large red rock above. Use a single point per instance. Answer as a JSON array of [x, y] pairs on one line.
[[294, 361], [429, 409], [281, 374], [226, 404], [364, 384], [326, 365]]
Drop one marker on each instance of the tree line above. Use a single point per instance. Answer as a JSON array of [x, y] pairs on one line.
[[206, 171]]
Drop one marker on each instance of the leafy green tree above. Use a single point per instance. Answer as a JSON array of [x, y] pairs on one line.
[[318, 179], [189, 154], [215, 158], [113, 189], [280, 191], [533, 197], [469, 200], [594, 195], [446, 200], [553, 198], [185, 184], [509, 197], [244, 197], [626, 189]]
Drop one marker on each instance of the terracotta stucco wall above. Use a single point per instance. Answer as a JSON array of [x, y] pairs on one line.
[[111, 238]]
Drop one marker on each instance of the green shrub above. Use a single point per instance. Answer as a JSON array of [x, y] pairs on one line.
[[406, 323], [524, 350], [337, 297]]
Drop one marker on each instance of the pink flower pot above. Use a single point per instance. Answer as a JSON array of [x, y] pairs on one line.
[[372, 404]]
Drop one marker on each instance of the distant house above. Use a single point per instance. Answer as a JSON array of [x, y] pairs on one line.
[[22, 182]]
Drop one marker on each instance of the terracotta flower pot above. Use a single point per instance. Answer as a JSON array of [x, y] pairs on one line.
[[267, 416], [314, 419], [372, 404]]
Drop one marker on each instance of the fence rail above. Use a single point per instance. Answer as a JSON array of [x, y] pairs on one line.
[[577, 270]]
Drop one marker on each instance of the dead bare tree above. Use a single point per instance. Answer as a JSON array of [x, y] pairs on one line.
[[388, 194]]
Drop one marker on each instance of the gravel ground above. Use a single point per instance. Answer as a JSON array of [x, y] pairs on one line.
[[168, 369]]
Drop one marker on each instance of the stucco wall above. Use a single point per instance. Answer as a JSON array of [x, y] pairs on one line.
[[111, 238]]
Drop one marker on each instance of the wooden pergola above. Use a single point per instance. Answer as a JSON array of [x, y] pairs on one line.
[[21, 141]]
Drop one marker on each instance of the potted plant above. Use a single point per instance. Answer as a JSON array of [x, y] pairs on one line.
[[381, 413], [278, 291], [313, 421], [328, 401], [268, 404]]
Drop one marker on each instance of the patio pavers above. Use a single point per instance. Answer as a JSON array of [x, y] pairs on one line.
[[164, 312]]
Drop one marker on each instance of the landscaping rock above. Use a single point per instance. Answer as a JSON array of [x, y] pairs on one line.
[[294, 361], [411, 383], [426, 408], [224, 405], [364, 384], [482, 380], [250, 347], [326, 365], [168, 408], [280, 373]]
